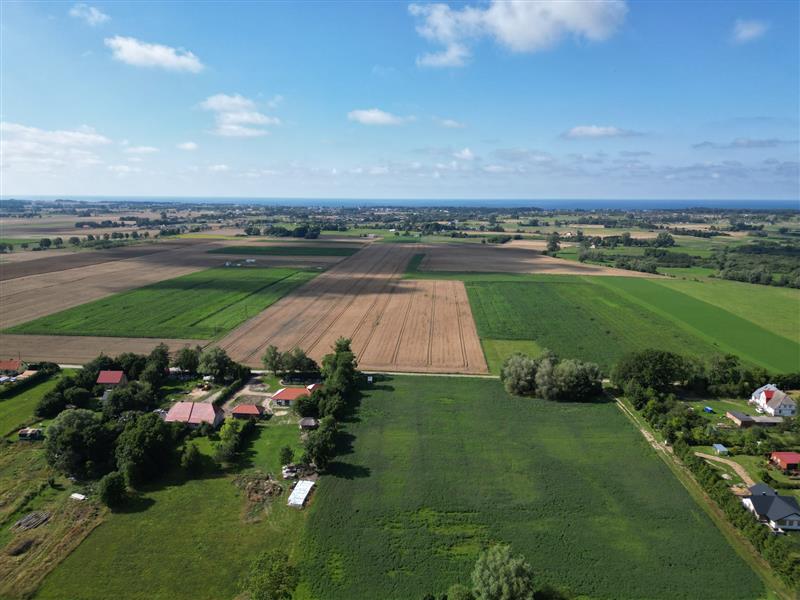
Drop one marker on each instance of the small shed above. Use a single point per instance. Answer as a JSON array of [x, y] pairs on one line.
[[300, 493], [30, 433], [247, 411], [307, 423], [708, 409], [720, 449]]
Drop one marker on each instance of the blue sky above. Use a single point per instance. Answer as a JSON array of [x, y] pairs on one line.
[[377, 100]]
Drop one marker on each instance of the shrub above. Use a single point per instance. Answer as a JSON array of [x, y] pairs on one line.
[[271, 577], [500, 576], [112, 490]]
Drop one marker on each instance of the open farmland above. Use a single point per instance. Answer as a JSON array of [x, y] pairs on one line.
[[394, 324], [199, 305], [290, 250], [441, 467]]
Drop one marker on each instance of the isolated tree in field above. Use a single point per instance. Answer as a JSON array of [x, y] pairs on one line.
[[215, 362], [271, 577], [45, 243], [273, 360], [500, 576], [111, 489], [286, 455], [187, 359], [651, 368], [553, 240], [58, 242], [518, 374], [663, 240], [75, 241]]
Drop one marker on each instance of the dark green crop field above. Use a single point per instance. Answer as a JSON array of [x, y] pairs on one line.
[[440, 467], [602, 318], [201, 305], [290, 250]]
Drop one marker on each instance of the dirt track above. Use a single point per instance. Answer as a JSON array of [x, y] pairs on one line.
[[394, 324]]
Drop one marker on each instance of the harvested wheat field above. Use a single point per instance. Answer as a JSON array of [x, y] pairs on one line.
[[475, 258], [394, 324], [79, 349], [25, 298]]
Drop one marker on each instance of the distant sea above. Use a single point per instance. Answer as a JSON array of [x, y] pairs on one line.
[[585, 204]]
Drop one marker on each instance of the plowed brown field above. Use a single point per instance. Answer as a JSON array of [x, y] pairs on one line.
[[394, 324]]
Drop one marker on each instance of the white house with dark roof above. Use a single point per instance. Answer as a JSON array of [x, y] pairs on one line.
[[779, 512], [773, 401]]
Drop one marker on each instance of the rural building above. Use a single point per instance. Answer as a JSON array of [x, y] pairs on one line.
[[30, 433], [779, 512], [307, 423], [286, 396], [195, 414], [12, 366], [720, 449], [247, 411], [769, 399], [300, 493], [786, 461], [111, 378], [742, 420]]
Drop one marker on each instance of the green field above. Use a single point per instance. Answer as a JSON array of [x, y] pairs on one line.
[[18, 410], [602, 318], [182, 539], [496, 351], [290, 250], [201, 305], [441, 467]]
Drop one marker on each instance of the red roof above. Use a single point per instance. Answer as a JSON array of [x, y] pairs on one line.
[[768, 394], [290, 394], [786, 458], [11, 364], [247, 409], [193, 413], [110, 377]]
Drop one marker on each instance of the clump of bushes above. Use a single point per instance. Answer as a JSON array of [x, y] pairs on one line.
[[551, 378]]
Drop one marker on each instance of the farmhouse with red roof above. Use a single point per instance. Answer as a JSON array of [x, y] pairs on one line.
[[11, 366], [285, 396], [769, 399], [786, 461], [111, 378], [195, 414]]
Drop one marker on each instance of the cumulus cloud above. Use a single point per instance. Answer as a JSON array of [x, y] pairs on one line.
[[142, 54], [744, 143], [450, 123], [32, 149], [519, 25], [376, 116], [141, 150], [748, 30], [237, 116], [90, 14], [464, 154], [187, 146], [598, 131]]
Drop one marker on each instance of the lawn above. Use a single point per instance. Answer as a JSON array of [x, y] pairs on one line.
[[290, 250], [183, 540], [441, 467], [18, 410], [496, 351], [201, 305]]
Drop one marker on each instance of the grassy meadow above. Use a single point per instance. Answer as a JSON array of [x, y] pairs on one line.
[[200, 305], [290, 250], [182, 539], [438, 468], [17, 410]]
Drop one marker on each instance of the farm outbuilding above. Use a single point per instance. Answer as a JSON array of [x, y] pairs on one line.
[[307, 423], [720, 449], [12, 366], [286, 396], [111, 378], [786, 461], [247, 411], [195, 414], [300, 493]]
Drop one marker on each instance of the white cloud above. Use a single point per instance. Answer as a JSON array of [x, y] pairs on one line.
[[219, 168], [598, 131], [31, 149], [519, 25], [451, 123], [141, 150], [379, 171], [123, 169], [464, 154], [142, 54], [498, 169], [90, 14], [187, 146], [745, 143], [376, 116], [748, 30], [237, 116]]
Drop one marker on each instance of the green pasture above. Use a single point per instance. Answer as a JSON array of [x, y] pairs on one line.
[[290, 250], [496, 351], [17, 410], [182, 539], [435, 469], [200, 305]]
